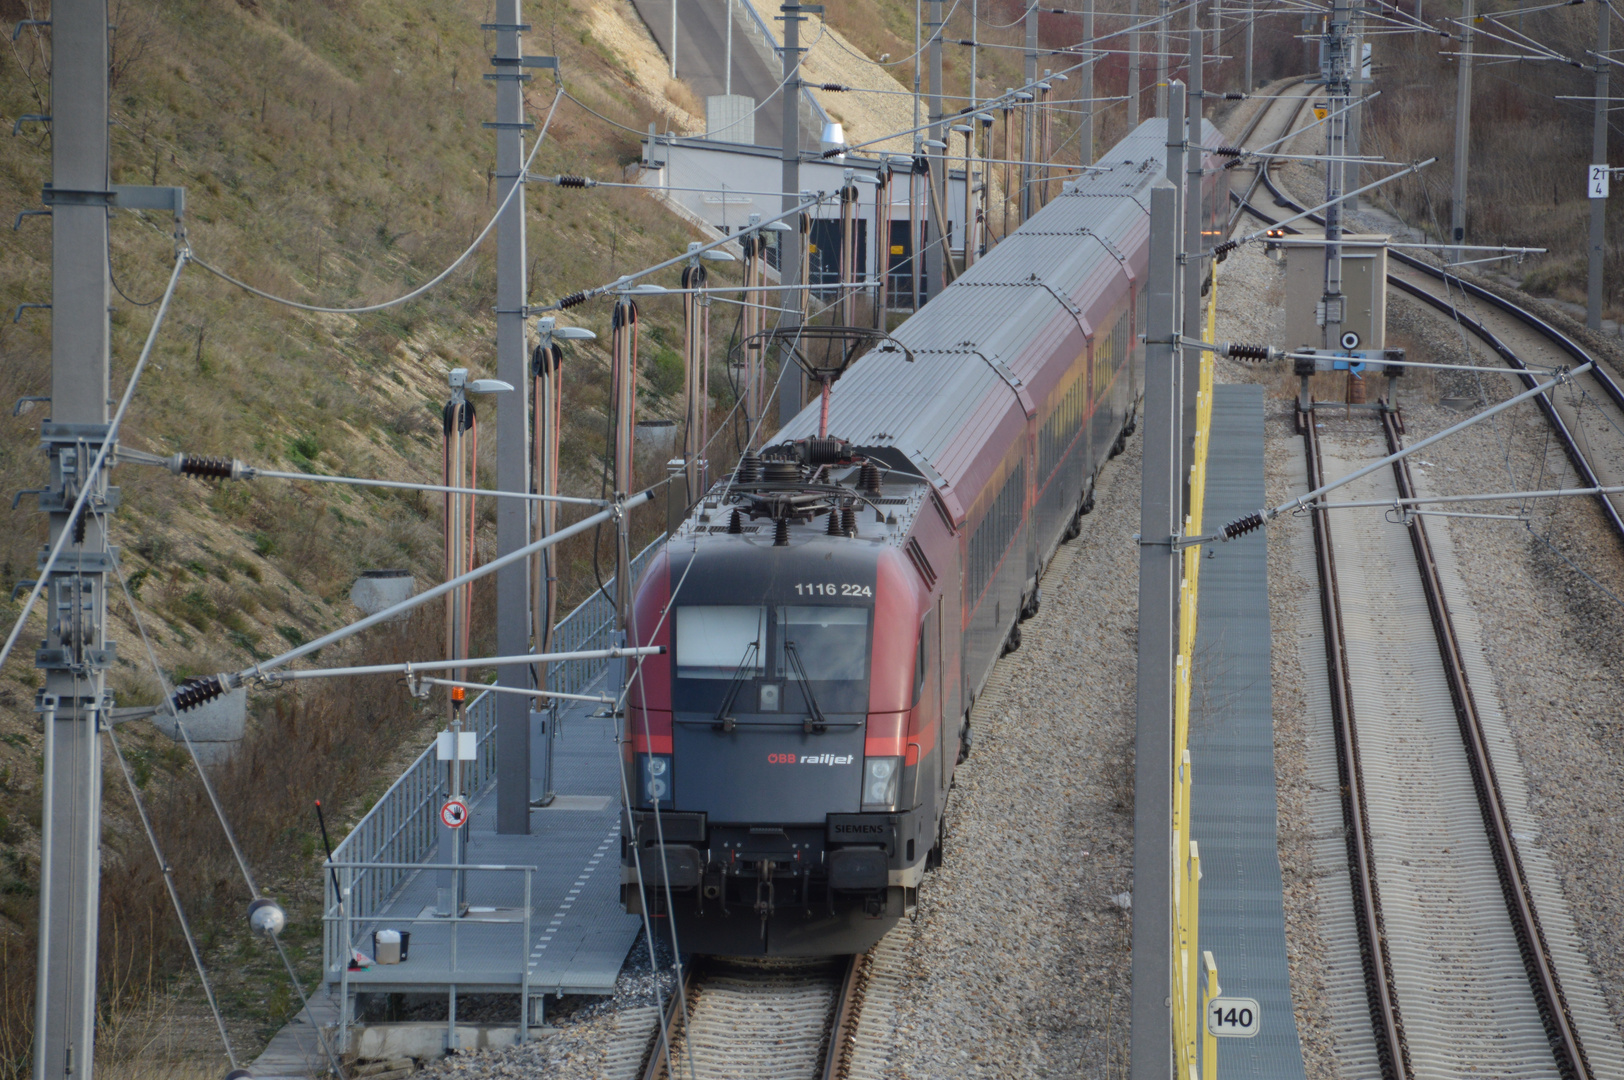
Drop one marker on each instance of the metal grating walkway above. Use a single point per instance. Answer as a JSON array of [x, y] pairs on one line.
[[579, 935], [1232, 753]]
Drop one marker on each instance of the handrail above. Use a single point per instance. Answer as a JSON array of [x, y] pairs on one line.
[[761, 27], [347, 921], [398, 836]]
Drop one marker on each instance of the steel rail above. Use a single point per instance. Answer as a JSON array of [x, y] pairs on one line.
[[1571, 1059], [1569, 443], [1392, 1051], [657, 1058], [1555, 1014], [842, 1045], [1251, 128], [836, 1057]]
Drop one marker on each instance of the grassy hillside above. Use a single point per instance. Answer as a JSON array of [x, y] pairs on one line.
[[1528, 152], [332, 152]]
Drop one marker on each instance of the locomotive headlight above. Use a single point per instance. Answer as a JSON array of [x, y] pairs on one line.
[[657, 778], [880, 779]]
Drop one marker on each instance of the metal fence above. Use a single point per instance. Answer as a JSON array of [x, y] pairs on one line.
[[398, 835], [761, 35], [590, 626]]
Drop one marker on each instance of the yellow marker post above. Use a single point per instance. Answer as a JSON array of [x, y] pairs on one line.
[[1209, 1041], [1193, 1006]]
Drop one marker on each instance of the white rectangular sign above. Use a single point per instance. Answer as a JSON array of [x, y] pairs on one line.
[[1233, 1018], [1599, 178], [467, 746]]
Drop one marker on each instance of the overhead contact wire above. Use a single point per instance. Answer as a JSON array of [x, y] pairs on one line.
[[513, 193]]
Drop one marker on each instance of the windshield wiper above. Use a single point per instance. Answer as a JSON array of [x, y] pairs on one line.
[[815, 722], [723, 720]]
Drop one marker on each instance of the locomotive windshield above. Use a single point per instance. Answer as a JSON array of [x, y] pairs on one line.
[[830, 642], [713, 642], [767, 648]]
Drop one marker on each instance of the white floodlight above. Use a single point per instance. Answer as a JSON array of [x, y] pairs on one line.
[[489, 386], [986, 119], [574, 333], [963, 129], [1023, 96], [936, 143], [776, 226], [717, 255], [864, 178]]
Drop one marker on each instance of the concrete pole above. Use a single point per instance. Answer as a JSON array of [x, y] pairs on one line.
[[673, 48], [1151, 1014], [882, 242], [624, 376], [1338, 87], [790, 243], [1044, 89], [1463, 129], [1085, 90], [1029, 139], [969, 219], [1194, 221], [73, 659], [916, 257], [727, 63], [936, 164], [512, 437], [1175, 150], [1134, 92], [1352, 175], [969, 145], [1162, 16], [1598, 155], [1251, 30]]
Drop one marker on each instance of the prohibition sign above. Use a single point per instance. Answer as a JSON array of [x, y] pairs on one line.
[[454, 813]]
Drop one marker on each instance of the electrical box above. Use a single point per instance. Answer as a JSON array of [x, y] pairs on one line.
[[1364, 291]]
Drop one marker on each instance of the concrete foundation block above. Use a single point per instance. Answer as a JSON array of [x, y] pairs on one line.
[[426, 1039], [376, 590], [215, 727]]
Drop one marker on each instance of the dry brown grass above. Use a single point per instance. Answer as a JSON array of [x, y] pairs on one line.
[[331, 152], [680, 94]]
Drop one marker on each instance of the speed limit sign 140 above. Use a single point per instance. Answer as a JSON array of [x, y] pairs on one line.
[[1233, 1017]]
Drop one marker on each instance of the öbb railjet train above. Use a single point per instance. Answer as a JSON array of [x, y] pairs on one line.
[[830, 612]]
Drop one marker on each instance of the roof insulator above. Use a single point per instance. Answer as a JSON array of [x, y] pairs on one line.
[[194, 692], [834, 523], [848, 520], [781, 534], [868, 479], [735, 524], [1242, 526]]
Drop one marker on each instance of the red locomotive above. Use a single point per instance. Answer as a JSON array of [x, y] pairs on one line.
[[830, 611]]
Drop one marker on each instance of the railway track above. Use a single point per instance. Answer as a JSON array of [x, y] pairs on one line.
[[780, 1019], [1458, 968], [1501, 331], [1459, 971]]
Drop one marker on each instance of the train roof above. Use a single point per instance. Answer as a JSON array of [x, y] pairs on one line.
[[979, 344]]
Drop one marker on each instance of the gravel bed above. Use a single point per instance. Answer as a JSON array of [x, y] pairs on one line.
[[580, 1028], [1549, 596], [1020, 955]]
